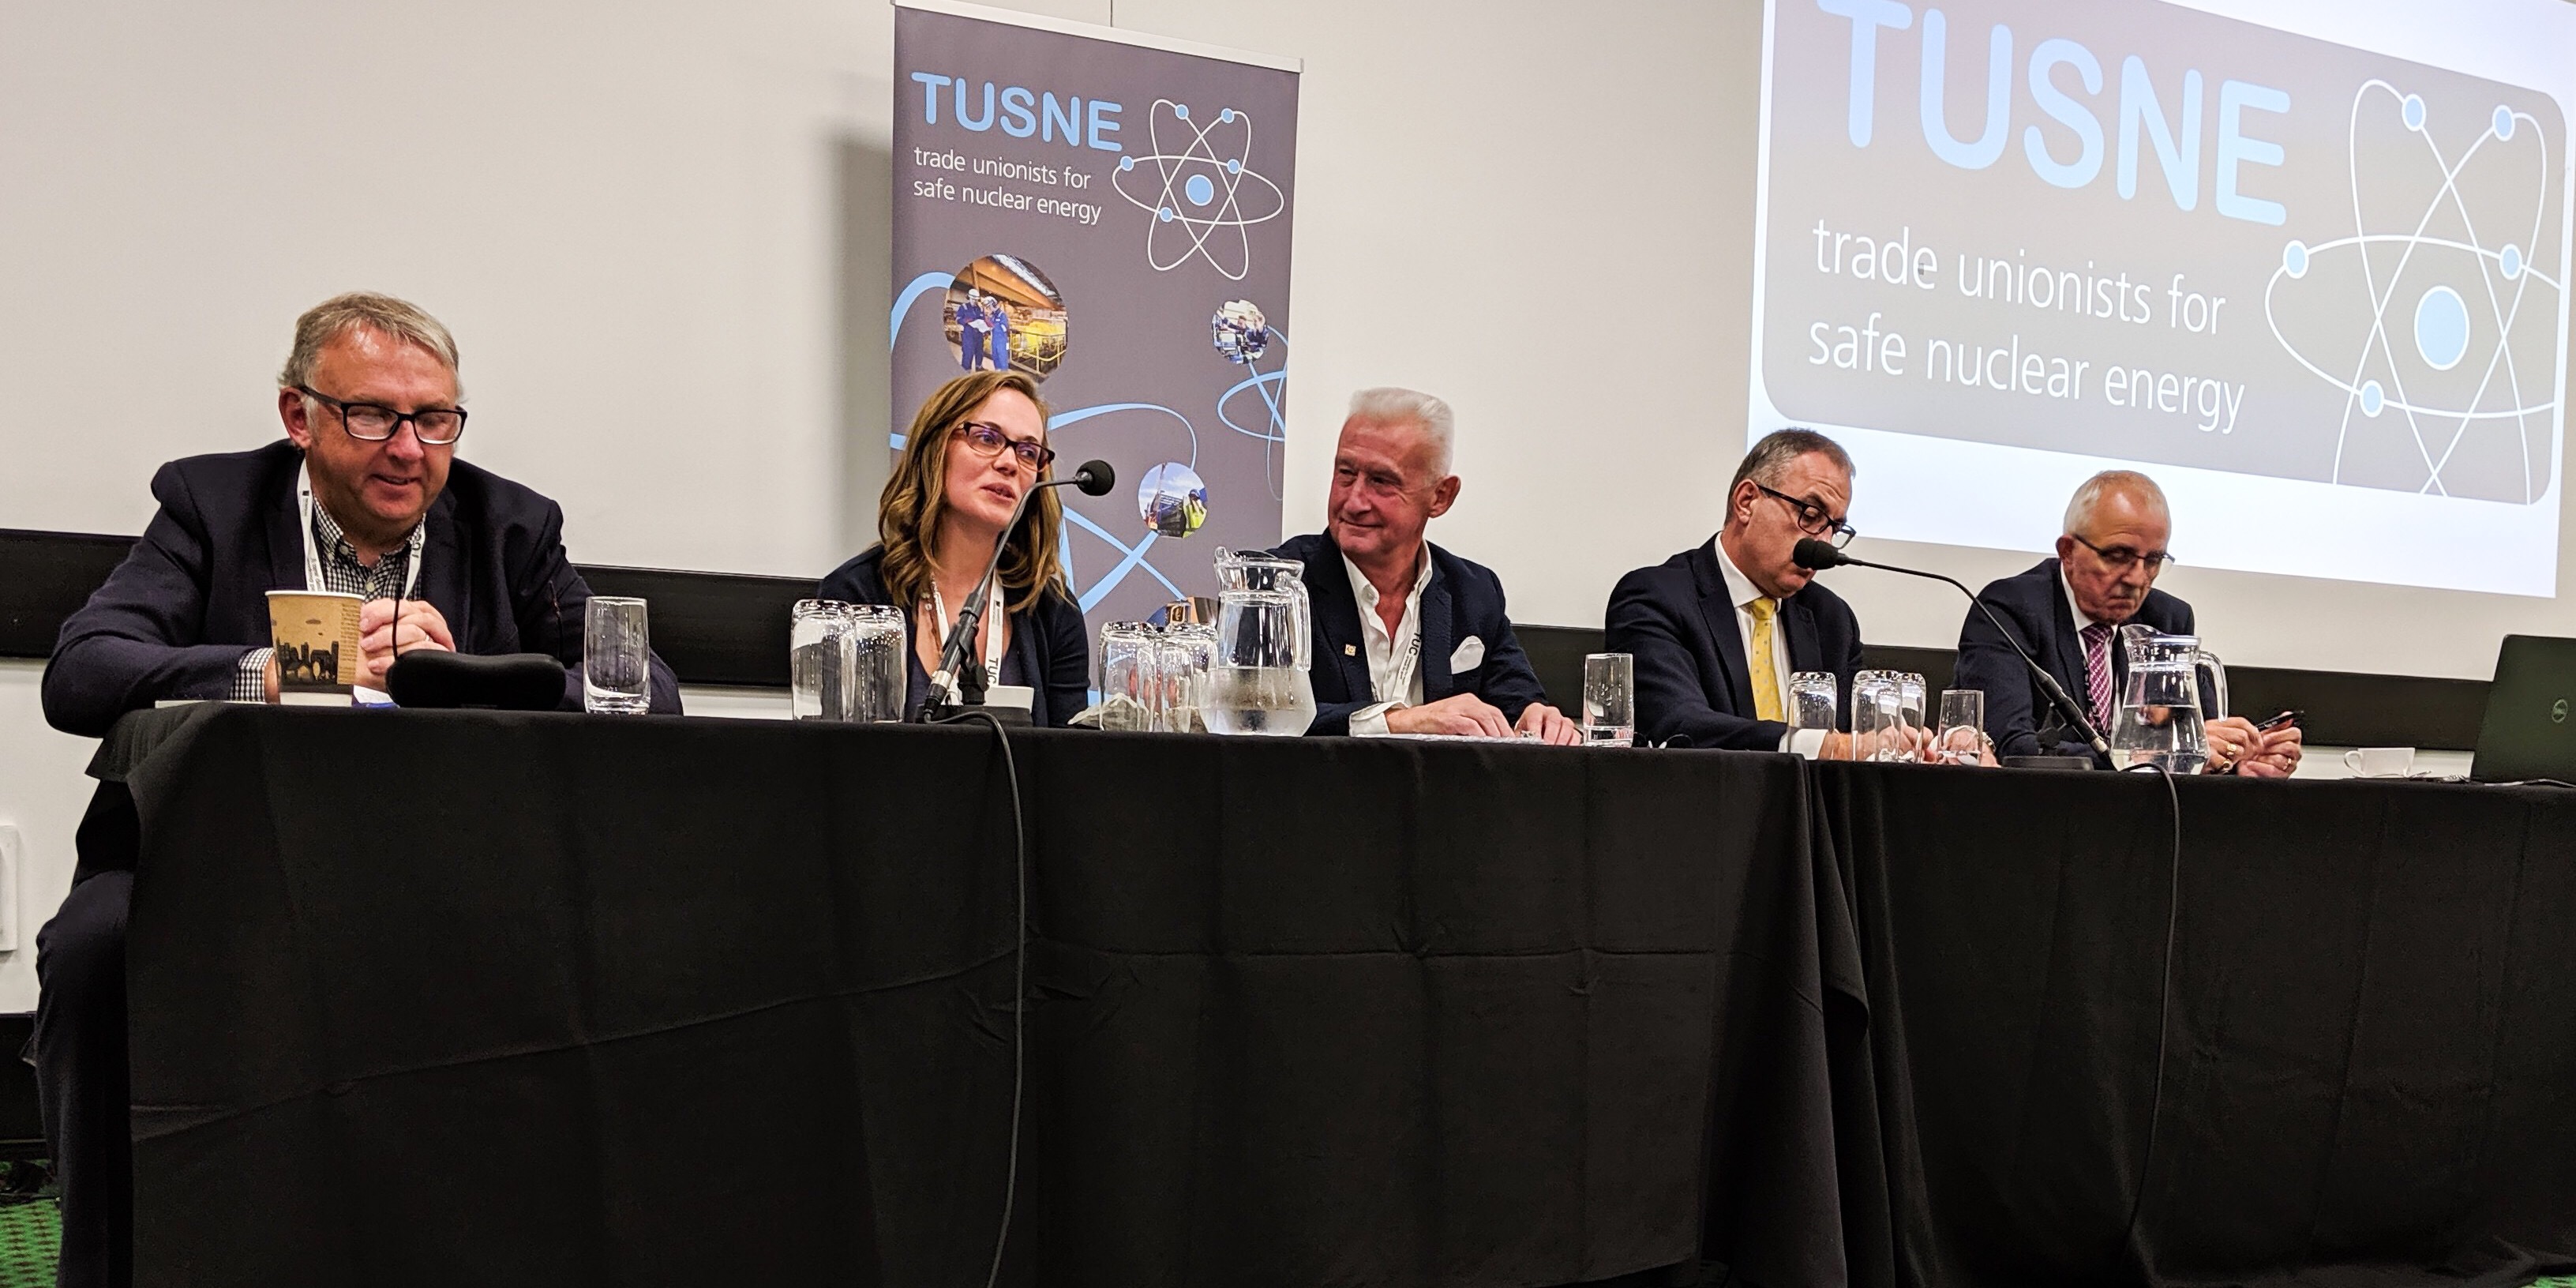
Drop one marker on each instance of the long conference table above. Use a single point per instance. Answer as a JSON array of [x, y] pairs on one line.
[[440, 998]]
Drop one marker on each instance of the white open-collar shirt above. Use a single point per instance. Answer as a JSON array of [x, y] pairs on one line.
[[1394, 657]]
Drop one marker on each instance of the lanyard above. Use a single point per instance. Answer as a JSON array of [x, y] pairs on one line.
[[313, 557], [1399, 683], [991, 634]]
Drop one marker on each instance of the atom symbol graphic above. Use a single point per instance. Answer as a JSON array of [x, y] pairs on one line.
[[2451, 320], [1204, 194]]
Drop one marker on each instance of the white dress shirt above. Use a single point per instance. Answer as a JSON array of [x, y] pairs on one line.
[[1394, 657], [1740, 591], [2075, 609]]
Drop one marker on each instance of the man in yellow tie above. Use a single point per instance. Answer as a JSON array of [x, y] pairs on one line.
[[1718, 629]]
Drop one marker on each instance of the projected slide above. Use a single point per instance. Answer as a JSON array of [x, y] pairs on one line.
[[2305, 263]]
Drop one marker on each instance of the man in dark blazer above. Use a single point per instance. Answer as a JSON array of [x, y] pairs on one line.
[[364, 498], [1408, 637], [2068, 612], [1718, 629]]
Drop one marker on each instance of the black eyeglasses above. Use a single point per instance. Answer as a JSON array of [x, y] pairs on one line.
[[1812, 518], [2121, 557], [374, 423], [989, 440]]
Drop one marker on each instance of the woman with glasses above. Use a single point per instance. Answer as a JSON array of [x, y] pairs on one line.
[[976, 447]]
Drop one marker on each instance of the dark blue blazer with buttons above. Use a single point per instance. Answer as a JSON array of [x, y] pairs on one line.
[[174, 619], [1462, 600]]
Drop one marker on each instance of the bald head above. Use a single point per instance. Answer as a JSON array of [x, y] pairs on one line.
[[2126, 490], [2114, 544]]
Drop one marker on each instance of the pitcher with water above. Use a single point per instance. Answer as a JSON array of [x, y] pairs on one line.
[[1264, 647], [2172, 685]]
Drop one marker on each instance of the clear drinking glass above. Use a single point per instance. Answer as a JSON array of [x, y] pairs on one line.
[[616, 657], [1878, 717], [1812, 701], [1962, 738], [818, 659], [1124, 676], [1609, 700], [877, 642], [1183, 657]]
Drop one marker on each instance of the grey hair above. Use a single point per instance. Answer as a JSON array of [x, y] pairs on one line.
[[2079, 512], [337, 316], [1388, 405], [1779, 447]]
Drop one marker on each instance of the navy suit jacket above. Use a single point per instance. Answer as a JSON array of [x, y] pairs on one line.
[[2034, 604], [1050, 648], [174, 619], [1693, 681], [1462, 599]]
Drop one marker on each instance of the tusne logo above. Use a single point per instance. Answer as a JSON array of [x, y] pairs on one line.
[[2558, 711], [2139, 110], [1023, 111]]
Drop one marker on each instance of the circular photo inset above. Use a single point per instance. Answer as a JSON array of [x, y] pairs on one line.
[[1241, 333], [1002, 312], [1173, 500]]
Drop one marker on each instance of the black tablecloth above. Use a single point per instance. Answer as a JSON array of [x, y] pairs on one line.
[[2370, 1072], [552, 999], [499, 999]]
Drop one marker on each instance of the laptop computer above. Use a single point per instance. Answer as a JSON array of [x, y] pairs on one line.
[[2530, 726]]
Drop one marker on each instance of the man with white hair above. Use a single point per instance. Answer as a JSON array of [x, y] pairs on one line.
[[1409, 638], [2069, 609]]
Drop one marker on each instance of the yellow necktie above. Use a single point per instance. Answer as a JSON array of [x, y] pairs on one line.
[[1766, 672]]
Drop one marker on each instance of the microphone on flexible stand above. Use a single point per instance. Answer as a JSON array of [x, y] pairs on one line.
[[1815, 555], [960, 679]]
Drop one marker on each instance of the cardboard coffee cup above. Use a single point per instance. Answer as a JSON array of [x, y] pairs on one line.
[[315, 634]]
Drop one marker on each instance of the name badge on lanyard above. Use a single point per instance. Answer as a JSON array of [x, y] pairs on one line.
[[313, 580]]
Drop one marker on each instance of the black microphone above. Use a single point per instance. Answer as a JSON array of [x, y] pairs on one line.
[[960, 680], [1814, 555]]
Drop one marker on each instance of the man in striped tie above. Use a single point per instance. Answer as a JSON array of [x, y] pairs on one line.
[[2068, 611], [1718, 629]]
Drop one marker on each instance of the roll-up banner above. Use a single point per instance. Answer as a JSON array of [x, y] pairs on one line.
[[1110, 213]]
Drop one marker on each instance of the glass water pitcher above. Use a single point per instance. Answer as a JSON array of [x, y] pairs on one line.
[[2172, 684], [1264, 647]]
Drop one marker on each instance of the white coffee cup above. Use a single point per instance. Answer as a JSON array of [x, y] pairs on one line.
[[2380, 762]]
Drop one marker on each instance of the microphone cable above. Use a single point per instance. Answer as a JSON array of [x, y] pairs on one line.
[[1019, 977], [2164, 999]]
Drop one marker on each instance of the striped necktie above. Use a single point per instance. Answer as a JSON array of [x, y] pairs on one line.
[[2097, 671], [1766, 671]]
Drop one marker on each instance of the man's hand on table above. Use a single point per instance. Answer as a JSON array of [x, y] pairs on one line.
[[381, 636], [1549, 724], [1461, 715]]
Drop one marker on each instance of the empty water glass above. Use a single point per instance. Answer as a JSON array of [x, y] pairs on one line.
[[877, 643], [1184, 656], [616, 657], [1813, 700], [1878, 724], [1609, 700], [818, 659], [1125, 676], [1962, 739]]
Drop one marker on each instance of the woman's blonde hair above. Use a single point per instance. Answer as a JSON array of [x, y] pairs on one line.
[[916, 497]]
